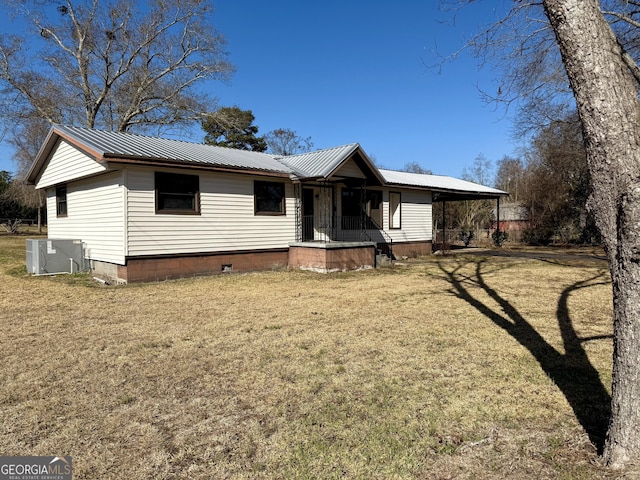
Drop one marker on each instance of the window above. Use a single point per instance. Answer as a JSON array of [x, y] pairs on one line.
[[395, 205], [177, 194], [269, 198], [61, 201]]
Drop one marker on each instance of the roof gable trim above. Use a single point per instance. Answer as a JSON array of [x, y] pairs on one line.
[[362, 161]]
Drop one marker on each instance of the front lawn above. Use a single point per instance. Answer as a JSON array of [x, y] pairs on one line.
[[449, 367]]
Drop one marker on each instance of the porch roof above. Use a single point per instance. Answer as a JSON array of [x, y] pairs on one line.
[[322, 164], [319, 163]]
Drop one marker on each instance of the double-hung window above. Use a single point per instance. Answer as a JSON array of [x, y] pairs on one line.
[[61, 201], [269, 198], [177, 193]]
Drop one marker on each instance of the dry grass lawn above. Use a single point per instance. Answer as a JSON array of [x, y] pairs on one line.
[[449, 367]]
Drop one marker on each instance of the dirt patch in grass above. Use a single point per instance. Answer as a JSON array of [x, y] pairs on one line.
[[452, 367]]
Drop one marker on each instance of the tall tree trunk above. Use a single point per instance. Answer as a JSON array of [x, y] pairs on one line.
[[608, 105]]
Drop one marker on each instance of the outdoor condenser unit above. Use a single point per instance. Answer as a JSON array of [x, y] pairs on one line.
[[49, 256]]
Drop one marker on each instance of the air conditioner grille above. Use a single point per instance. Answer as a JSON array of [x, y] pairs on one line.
[[51, 256]]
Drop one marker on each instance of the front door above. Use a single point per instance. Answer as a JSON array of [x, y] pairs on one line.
[[307, 214], [323, 214], [317, 213]]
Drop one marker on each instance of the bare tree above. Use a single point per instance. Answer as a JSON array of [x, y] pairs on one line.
[[556, 184], [115, 64], [26, 138], [604, 79], [480, 171], [476, 214], [598, 45], [283, 141], [415, 167], [509, 176]]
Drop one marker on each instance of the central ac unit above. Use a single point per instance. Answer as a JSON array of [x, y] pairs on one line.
[[51, 256]]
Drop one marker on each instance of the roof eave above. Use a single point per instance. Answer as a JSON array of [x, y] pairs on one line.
[[467, 194], [121, 160], [443, 195]]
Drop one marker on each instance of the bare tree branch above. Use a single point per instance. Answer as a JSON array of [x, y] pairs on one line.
[[114, 64]]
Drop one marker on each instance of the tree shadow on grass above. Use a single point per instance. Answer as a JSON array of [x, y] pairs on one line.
[[571, 371]]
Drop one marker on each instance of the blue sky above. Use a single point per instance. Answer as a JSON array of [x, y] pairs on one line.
[[343, 71]]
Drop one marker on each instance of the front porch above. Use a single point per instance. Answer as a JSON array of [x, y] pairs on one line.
[[342, 212], [339, 215], [332, 256]]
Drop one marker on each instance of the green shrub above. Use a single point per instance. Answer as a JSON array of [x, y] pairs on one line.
[[466, 236], [499, 237]]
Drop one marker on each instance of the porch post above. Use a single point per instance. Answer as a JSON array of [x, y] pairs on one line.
[[498, 214], [363, 213], [297, 193], [444, 225]]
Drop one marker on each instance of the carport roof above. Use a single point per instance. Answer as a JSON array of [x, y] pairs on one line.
[[444, 188]]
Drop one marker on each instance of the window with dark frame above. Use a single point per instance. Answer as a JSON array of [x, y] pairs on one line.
[[177, 193], [61, 201], [269, 198]]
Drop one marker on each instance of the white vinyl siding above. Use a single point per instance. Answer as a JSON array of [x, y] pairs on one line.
[[415, 216], [226, 222], [95, 215], [395, 210], [349, 170], [66, 164]]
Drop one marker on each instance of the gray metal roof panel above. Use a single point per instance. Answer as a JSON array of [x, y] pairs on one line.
[[437, 182], [320, 163], [129, 145]]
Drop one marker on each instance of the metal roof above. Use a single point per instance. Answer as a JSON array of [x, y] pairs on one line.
[[440, 183], [319, 164], [113, 145], [513, 212]]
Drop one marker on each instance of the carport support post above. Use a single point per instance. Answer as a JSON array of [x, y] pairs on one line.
[[498, 214], [444, 226]]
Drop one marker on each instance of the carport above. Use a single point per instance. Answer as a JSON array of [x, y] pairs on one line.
[[446, 189]]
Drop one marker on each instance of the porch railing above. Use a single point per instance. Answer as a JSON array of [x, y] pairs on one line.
[[345, 229]]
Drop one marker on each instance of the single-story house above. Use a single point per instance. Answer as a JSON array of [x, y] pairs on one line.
[[150, 208]]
